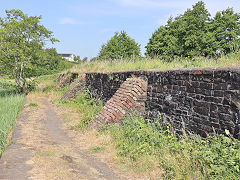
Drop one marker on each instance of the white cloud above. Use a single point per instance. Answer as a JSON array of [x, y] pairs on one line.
[[67, 20]]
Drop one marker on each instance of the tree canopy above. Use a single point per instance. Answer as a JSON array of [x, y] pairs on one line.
[[119, 46], [195, 33], [22, 38]]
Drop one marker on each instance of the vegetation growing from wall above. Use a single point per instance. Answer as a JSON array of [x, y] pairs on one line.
[[120, 46], [195, 33]]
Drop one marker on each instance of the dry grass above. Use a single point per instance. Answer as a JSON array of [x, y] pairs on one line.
[[87, 140], [140, 64]]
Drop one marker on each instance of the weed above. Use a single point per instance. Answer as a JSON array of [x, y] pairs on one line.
[[46, 154], [33, 105], [139, 140], [87, 106], [97, 149], [49, 88]]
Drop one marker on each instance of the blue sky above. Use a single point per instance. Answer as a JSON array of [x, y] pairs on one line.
[[82, 26]]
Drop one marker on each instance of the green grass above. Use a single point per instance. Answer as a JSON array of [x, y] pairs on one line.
[[139, 141], [46, 154], [10, 104], [97, 149], [85, 105], [147, 63], [33, 105]]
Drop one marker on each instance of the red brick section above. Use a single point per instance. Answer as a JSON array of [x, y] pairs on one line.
[[131, 95]]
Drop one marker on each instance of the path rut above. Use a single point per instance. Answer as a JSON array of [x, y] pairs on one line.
[[41, 149]]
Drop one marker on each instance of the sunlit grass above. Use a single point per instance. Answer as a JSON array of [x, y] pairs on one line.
[[10, 104], [141, 64]]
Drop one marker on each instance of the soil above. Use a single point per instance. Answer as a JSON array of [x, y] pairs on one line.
[[43, 147]]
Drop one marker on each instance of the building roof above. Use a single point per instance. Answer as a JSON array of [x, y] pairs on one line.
[[66, 55]]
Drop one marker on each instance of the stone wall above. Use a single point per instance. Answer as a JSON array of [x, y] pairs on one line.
[[65, 79], [131, 96], [202, 99], [78, 86]]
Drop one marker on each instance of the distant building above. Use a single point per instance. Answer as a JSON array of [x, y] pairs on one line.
[[69, 57]]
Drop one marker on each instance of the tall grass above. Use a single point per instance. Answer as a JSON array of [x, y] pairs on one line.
[[10, 104], [147, 63], [138, 141]]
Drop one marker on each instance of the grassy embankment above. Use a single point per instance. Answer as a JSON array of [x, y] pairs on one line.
[[146, 151], [10, 104], [140, 64]]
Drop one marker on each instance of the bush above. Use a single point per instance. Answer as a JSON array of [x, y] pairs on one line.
[[31, 85]]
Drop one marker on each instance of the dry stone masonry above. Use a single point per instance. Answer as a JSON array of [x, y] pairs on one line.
[[204, 100]]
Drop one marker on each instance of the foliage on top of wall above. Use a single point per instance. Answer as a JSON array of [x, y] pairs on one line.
[[195, 33]]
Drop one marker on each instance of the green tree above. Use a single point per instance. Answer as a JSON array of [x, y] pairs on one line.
[[84, 60], [162, 43], [194, 33], [77, 59], [119, 46], [47, 62], [22, 38], [196, 23], [226, 28]]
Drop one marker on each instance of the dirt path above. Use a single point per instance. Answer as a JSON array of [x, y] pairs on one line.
[[41, 149]]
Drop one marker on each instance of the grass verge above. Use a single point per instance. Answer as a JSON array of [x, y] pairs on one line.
[[10, 104]]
